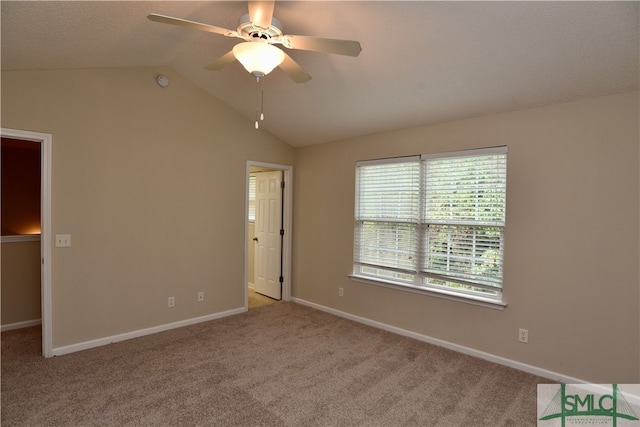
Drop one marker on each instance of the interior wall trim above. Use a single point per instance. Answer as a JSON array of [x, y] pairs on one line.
[[553, 376], [20, 238], [86, 345], [46, 162], [20, 325]]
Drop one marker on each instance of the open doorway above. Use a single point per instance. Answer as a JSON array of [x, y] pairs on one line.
[[44, 141], [267, 233], [20, 218]]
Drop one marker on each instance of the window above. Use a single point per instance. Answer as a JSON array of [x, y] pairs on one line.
[[433, 222], [252, 198]]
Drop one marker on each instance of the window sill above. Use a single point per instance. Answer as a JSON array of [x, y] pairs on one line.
[[467, 299]]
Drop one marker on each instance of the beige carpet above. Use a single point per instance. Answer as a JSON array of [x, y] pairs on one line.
[[277, 365]]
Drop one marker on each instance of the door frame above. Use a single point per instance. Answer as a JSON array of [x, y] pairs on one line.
[[287, 220], [45, 141]]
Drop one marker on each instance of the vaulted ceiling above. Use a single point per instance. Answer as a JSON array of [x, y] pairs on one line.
[[421, 62]]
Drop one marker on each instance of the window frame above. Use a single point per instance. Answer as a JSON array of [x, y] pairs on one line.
[[419, 280]]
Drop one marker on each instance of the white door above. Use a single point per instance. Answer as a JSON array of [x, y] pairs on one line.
[[268, 241]]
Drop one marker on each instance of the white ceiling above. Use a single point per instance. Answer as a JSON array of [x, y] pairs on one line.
[[421, 63]]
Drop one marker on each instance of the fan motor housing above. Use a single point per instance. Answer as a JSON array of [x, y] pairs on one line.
[[248, 29]]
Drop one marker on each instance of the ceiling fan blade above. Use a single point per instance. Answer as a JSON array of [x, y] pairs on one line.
[[221, 62], [294, 70], [318, 44], [261, 12], [192, 24]]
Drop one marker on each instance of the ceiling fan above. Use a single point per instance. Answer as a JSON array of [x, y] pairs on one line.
[[260, 31]]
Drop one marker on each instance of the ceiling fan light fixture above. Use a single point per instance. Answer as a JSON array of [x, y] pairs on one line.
[[258, 58]]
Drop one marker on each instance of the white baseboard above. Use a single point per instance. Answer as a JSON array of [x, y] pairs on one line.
[[59, 351], [553, 376], [20, 325]]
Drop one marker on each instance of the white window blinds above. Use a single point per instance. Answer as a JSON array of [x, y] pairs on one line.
[[252, 197], [464, 215], [433, 221], [387, 215]]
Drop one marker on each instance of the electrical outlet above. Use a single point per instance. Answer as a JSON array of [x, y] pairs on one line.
[[340, 292], [171, 302], [200, 296], [523, 335]]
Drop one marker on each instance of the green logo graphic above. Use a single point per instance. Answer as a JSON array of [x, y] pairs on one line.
[[565, 405]]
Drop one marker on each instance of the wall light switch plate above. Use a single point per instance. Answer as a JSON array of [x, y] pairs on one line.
[[63, 240]]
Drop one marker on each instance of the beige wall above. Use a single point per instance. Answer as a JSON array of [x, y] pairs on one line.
[[20, 282], [150, 183], [571, 250]]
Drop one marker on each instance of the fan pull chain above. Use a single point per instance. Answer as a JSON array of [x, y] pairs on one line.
[[260, 116]]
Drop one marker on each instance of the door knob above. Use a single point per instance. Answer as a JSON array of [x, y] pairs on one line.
[[255, 239]]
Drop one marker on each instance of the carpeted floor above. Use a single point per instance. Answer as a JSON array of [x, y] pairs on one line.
[[277, 365]]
